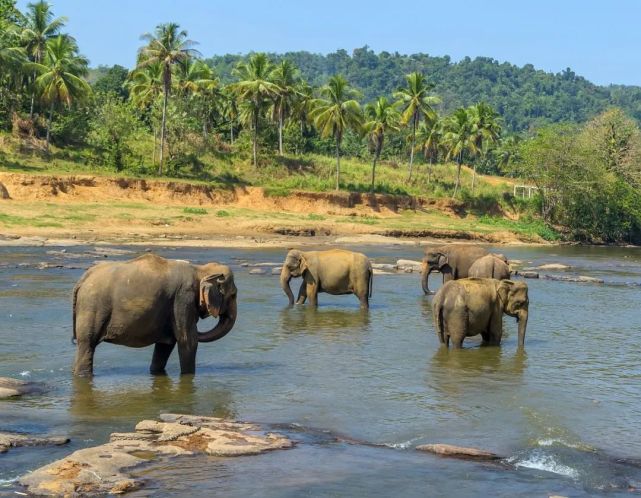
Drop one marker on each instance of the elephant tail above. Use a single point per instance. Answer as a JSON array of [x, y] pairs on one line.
[[438, 321], [75, 299], [371, 280]]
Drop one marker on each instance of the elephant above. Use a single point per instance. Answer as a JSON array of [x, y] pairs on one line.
[[335, 271], [490, 266], [471, 306], [452, 260], [151, 300]]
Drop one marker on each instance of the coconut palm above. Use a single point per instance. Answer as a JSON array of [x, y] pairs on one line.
[[145, 86], [286, 76], [167, 46], [40, 26], [60, 75], [229, 110], [459, 138], [382, 117], [253, 89], [430, 138], [486, 130], [417, 104], [335, 112], [302, 105], [196, 80]]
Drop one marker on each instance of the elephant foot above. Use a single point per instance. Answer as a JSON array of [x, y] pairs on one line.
[[157, 371]]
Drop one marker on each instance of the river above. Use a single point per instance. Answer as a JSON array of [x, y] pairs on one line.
[[565, 413]]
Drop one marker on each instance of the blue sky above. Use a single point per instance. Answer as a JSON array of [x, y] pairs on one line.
[[600, 40]]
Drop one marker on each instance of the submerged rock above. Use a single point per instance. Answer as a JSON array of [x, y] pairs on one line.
[[14, 440], [105, 468], [458, 452], [13, 387], [578, 278], [527, 274]]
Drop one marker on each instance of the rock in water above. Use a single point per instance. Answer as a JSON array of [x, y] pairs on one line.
[[527, 273], [553, 266], [13, 387], [105, 468], [458, 452], [14, 440]]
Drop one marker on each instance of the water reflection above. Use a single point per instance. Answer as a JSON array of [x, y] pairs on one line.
[[331, 321]]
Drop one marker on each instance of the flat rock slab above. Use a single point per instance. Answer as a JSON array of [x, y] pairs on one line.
[[578, 278], [13, 387], [459, 452], [553, 266], [10, 440], [106, 468], [409, 263]]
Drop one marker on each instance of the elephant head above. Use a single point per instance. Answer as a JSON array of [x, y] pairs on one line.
[[433, 260], [218, 299], [294, 266], [514, 300]]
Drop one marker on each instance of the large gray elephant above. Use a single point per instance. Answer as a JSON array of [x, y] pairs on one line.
[[452, 260], [335, 271], [471, 306], [151, 300], [490, 266]]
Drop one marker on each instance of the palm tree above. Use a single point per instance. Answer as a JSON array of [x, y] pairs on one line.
[[145, 86], [286, 76], [40, 26], [459, 138], [60, 75], [167, 46], [382, 117], [336, 112], [229, 109], [431, 140], [253, 89], [196, 79], [417, 103], [302, 106], [486, 130]]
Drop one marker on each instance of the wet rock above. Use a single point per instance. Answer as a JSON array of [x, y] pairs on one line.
[[384, 267], [265, 264], [244, 264], [409, 263], [382, 272], [458, 452], [527, 273], [575, 278], [13, 387], [553, 266], [257, 271], [105, 468], [276, 270], [14, 440]]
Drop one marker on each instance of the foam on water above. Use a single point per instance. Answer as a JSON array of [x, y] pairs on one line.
[[540, 460]]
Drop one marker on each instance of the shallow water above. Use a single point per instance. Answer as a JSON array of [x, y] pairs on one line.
[[564, 413]]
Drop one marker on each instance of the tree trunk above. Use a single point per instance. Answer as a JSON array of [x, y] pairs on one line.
[[338, 163], [255, 138], [33, 96], [49, 127], [429, 170], [458, 174], [280, 131], [231, 132], [473, 177], [409, 178], [162, 129], [371, 189], [153, 153]]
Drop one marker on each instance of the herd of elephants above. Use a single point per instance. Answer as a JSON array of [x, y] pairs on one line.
[[153, 300]]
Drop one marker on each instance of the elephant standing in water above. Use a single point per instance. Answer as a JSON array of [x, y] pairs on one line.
[[490, 266], [335, 271], [151, 300], [471, 306], [452, 260]]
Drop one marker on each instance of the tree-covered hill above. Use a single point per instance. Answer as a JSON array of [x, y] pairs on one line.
[[524, 96]]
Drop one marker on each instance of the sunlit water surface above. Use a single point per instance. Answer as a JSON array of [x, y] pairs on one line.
[[565, 414]]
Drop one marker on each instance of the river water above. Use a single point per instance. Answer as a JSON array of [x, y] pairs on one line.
[[565, 413]]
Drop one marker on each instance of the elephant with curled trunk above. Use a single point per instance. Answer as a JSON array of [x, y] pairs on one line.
[[472, 306], [490, 266], [151, 300], [452, 260], [335, 271]]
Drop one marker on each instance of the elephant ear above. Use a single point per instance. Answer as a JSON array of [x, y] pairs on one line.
[[304, 266], [212, 294], [443, 260], [503, 292]]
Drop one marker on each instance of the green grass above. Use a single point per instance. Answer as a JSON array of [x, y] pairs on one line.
[[190, 210], [221, 213], [526, 226]]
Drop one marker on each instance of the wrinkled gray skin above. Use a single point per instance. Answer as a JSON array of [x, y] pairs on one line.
[[151, 300], [490, 266], [335, 271], [452, 260], [471, 306]]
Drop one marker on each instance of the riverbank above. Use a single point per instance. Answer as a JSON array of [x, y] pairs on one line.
[[66, 209]]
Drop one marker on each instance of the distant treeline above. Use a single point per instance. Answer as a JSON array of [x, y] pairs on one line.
[[524, 96]]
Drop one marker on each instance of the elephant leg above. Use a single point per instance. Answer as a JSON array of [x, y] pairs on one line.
[[160, 357], [187, 355], [302, 293], [83, 363], [495, 330], [456, 329], [312, 294], [364, 301]]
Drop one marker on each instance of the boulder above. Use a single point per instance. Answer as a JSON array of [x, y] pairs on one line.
[[257, 271], [14, 440], [384, 266], [105, 469], [13, 387], [276, 270], [553, 266], [527, 273], [404, 264], [458, 452]]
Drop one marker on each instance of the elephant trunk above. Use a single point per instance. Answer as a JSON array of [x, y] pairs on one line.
[[225, 323], [522, 320], [427, 269], [285, 277]]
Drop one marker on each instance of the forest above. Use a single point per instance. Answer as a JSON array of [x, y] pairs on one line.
[[253, 118]]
